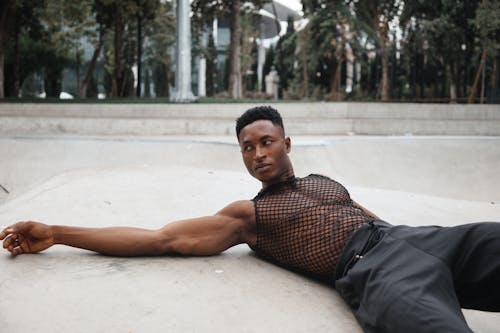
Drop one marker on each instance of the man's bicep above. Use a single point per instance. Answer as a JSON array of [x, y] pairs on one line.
[[207, 235]]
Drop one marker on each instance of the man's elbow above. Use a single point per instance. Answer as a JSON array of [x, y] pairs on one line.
[[163, 244]]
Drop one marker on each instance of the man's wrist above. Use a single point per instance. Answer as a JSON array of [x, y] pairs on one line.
[[56, 232]]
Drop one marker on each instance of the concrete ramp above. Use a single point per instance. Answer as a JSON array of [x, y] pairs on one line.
[[148, 182], [68, 290]]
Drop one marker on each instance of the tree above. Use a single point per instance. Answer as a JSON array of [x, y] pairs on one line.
[[487, 22], [375, 17], [235, 83], [248, 50], [65, 22], [121, 79], [38, 43], [300, 86], [7, 10], [444, 27], [285, 56], [211, 56], [103, 23], [120, 56], [206, 10], [161, 37], [144, 11], [327, 38]]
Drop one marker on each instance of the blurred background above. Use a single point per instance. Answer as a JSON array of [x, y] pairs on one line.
[[316, 50]]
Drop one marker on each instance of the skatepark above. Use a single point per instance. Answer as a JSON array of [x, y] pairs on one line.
[[146, 166]]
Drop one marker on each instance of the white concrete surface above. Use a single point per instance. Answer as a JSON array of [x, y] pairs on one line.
[[103, 181], [455, 167]]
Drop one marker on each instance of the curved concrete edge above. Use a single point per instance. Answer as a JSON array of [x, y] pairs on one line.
[[234, 110], [454, 167]]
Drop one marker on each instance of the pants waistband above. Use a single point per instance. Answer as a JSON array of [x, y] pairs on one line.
[[362, 241]]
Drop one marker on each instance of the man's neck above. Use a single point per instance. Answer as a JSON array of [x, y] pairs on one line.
[[287, 175]]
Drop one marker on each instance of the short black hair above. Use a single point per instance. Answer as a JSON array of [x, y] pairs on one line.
[[258, 113]]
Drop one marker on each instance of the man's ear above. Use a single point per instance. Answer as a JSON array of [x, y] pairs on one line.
[[288, 144]]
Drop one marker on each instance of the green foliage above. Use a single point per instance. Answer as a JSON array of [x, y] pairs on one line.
[[284, 59], [211, 57], [161, 38], [487, 24], [439, 43], [204, 11], [301, 85]]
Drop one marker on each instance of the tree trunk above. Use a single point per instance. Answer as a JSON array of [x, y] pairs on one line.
[[494, 74], [382, 32], [166, 92], [335, 90], [78, 60], [453, 83], [494, 81], [2, 60], [7, 11], [17, 63], [211, 67], [336, 75], [139, 55], [384, 82], [90, 69], [118, 72], [235, 72], [304, 56], [473, 92], [53, 83], [305, 85]]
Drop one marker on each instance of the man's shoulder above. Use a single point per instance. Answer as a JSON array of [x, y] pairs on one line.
[[321, 180], [318, 177], [241, 209]]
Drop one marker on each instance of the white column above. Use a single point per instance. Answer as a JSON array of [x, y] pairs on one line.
[[182, 92], [202, 68], [215, 31], [261, 58]]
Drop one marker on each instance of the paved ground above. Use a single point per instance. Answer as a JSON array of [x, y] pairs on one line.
[[102, 181]]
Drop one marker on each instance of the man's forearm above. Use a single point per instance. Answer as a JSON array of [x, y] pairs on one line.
[[116, 241]]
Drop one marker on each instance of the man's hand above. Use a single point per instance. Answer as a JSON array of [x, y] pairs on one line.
[[27, 237]]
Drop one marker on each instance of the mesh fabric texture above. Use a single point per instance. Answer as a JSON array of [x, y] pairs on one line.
[[304, 223]]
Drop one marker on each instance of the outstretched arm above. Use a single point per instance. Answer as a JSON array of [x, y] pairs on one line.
[[199, 236]]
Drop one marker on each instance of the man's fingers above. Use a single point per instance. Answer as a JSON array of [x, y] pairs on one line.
[[5, 231], [15, 228], [17, 250], [14, 250], [10, 237], [10, 240], [14, 244], [14, 238]]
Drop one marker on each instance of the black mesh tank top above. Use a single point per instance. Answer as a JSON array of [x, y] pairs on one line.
[[304, 223]]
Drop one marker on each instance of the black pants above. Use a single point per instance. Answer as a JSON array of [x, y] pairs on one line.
[[417, 279]]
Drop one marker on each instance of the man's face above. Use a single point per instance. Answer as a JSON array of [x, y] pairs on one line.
[[265, 151]]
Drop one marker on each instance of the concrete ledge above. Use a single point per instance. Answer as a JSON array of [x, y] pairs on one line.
[[218, 119]]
